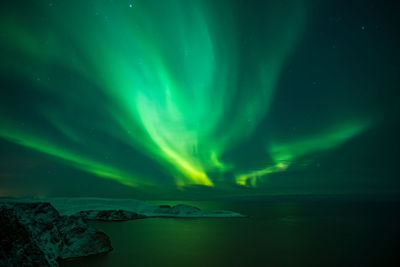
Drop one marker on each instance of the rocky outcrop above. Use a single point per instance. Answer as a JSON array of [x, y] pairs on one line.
[[178, 209], [34, 234], [187, 211], [109, 215]]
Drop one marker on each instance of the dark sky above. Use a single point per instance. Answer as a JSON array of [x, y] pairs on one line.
[[163, 99]]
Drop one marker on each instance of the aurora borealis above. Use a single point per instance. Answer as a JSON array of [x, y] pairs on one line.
[[221, 94]]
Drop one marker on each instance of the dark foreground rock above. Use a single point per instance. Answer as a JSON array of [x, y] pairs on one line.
[[16, 245], [34, 234], [109, 215]]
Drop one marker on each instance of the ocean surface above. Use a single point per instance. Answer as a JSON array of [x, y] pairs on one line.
[[278, 232]]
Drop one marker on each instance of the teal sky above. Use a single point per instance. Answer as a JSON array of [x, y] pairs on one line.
[[194, 98]]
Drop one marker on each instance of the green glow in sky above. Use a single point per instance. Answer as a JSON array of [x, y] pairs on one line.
[[176, 83], [284, 154], [75, 160]]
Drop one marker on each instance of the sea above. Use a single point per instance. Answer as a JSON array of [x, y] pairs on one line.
[[280, 231]]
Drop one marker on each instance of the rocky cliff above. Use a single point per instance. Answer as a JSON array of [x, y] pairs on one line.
[[34, 234]]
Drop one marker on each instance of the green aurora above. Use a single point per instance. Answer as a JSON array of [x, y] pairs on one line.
[[154, 93]]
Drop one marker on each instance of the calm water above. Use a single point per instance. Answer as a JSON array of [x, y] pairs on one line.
[[277, 233]]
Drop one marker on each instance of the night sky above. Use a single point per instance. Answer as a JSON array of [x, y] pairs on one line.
[[159, 99]]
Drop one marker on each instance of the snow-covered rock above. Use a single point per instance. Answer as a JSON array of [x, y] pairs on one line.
[[178, 209], [109, 215], [187, 211], [34, 234]]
